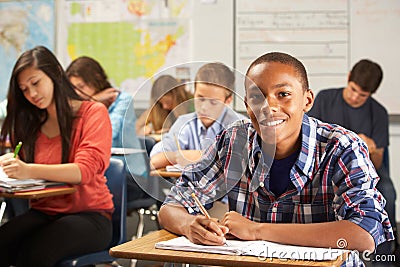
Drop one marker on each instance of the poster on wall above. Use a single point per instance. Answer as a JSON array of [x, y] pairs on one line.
[[132, 40], [23, 25]]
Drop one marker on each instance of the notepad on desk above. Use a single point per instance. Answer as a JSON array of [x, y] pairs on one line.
[[174, 168], [11, 185], [257, 248]]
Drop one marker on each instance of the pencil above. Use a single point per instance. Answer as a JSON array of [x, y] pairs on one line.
[[177, 143], [203, 210], [17, 148], [201, 207]]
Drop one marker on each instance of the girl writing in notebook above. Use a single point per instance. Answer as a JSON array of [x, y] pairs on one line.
[[169, 99], [65, 139]]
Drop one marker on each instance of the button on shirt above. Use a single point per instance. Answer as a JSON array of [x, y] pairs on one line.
[[332, 179]]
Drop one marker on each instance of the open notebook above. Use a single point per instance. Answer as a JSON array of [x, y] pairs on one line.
[[174, 168], [257, 248], [11, 185]]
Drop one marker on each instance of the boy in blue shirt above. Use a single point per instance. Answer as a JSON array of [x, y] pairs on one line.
[[330, 194], [194, 132]]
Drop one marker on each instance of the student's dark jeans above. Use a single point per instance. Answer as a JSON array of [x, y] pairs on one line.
[[38, 239]]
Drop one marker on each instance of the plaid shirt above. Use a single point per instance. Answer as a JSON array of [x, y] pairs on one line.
[[332, 179]]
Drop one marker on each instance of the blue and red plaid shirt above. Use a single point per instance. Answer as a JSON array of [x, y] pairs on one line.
[[332, 179]]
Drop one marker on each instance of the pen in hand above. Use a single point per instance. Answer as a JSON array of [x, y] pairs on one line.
[[203, 210], [200, 206], [177, 143], [17, 148]]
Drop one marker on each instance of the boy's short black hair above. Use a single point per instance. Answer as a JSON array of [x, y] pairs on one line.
[[284, 59]]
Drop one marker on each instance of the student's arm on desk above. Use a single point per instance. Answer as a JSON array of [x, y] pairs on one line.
[[16, 168], [313, 234], [197, 229], [376, 154], [182, 157]]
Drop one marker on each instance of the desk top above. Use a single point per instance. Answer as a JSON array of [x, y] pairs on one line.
[[120, 151], [143, 249], [166, 174], [35, 194], [156, 136]]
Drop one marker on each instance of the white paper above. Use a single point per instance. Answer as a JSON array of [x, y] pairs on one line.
[[261, 249], [174, 168], [5, 180], [10, 185], [125, 151]]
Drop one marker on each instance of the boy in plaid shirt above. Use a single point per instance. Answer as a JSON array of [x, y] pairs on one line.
[[289, 178]]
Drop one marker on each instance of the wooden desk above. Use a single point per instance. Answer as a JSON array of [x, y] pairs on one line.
[[120, 151], [35, 194], [165, 174], [143, 249]]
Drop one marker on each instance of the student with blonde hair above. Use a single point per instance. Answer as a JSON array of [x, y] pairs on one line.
[[169, 99]]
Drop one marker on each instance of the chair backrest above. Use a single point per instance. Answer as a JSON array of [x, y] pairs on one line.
[[148, 143], [116, 182], [149, 184]]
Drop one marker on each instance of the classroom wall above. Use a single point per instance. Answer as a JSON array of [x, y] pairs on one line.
[[213, 35], [214, 32]]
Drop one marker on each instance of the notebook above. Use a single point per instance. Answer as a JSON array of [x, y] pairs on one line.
[[264, 249], [11, 185], [174, 168]]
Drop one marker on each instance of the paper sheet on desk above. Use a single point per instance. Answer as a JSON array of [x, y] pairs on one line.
[[11, 185], [257, 248], [7, 181], [174, 168]]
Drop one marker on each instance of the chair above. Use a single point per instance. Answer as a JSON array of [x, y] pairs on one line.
[[116, 181], [146, 205], [148, 143]]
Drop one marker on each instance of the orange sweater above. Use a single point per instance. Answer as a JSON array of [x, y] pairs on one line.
[[91, 151]]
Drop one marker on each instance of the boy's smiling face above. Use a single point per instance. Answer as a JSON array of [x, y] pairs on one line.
[[277, 120]]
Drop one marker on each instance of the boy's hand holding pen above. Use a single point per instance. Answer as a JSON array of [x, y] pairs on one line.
[[214, 226]]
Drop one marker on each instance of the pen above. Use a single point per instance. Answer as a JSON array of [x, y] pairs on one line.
[[203, 210], [200, 206], [17, 148], [177, 143]]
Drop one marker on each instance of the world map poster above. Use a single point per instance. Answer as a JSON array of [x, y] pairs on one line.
[[23, 25], [132, 40]]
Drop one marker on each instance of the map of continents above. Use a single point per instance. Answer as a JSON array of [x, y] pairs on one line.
[[132, 49], [23, 25]]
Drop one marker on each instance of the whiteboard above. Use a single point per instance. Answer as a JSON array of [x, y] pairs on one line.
[[328, 36]]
